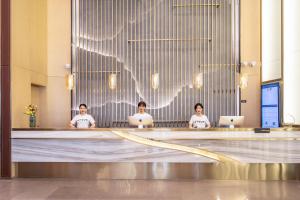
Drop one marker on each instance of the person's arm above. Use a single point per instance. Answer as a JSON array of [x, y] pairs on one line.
[[152, 124], [92, 122], [191, 122], [73, 123], [93, 125], [207, 123]]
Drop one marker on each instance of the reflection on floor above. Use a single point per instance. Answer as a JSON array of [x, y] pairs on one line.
[[147, 189]]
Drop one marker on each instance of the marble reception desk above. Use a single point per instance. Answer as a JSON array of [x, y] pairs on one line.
[[157, 153]]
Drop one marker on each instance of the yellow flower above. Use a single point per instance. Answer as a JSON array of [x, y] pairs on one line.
[[30, 110]]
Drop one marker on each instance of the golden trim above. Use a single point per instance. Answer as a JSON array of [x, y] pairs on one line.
[[216, 156], [272, 81], [154, 170]]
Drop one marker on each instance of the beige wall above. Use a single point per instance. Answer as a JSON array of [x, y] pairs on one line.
[[21, 96], [36, 100], [56, 97], [40, 41], [28, 53], [250, 51]]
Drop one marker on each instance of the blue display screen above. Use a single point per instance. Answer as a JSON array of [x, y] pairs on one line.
[[270, 108]]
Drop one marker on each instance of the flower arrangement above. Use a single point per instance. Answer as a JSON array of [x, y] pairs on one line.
[[31, 110]]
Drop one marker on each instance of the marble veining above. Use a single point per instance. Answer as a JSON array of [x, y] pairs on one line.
[[156, 134], [251, 151], [57, 150], [105, 146]]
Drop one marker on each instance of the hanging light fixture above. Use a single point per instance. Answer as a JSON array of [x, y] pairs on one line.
[[243, 80], [70, 81], [112, 81], [198, 80], [155, 80]]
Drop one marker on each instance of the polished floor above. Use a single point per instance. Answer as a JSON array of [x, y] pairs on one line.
[[147, 189]]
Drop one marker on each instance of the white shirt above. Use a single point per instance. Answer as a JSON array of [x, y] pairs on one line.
[[83, 121], [199, 121], [139, 116]]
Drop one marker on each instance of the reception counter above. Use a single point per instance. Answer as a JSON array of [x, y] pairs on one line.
[[157, 153]]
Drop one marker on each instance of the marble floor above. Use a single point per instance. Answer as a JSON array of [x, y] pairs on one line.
[[147, 189]]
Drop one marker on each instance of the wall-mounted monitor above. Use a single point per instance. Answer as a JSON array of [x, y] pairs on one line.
[[270, 105]]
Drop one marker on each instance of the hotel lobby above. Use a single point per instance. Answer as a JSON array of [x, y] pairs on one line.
[[150, 99]]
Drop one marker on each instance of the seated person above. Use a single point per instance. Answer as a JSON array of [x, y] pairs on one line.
[[199, 120], [82, 120], [141, 118]]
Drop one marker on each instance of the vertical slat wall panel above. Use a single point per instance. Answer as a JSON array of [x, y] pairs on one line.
[[135, 39]]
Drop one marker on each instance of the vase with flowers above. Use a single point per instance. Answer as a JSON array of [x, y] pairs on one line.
[[31, 110]]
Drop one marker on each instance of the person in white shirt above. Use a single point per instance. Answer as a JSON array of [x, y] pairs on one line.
[[141, 117], [82, 120], [199, 120]]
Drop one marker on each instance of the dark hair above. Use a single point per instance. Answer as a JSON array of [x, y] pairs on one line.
[[142, 103], [198, 104], [83, 105]]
